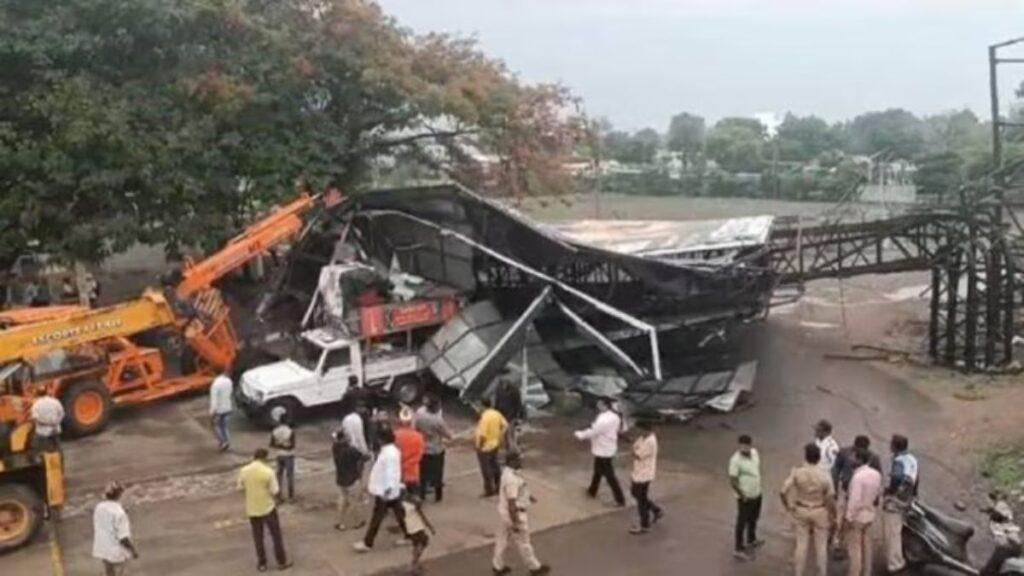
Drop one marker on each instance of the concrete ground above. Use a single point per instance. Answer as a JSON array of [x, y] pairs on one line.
[[796, 387], [188, 518]]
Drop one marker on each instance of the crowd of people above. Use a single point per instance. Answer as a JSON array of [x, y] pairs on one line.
[[834, 500], [389, 463]]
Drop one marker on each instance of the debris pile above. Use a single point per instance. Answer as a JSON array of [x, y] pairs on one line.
[[565, 306]]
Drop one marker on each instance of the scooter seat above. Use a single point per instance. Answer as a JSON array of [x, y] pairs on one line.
[[1012, 566], [949, 524]]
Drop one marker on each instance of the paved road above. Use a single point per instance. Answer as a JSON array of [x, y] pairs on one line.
[[796, 387], [687, 541]]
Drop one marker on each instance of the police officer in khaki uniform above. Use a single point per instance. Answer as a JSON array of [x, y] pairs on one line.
[[513, 501], [809, 496]]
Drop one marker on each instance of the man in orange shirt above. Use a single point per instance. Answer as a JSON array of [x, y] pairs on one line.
[[411, 446]]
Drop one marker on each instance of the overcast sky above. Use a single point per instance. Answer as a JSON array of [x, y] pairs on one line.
[[640, 61]]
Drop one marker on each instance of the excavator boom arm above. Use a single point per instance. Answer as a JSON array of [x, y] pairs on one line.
[[282, 223]]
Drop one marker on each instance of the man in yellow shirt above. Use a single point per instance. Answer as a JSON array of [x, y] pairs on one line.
[[259, 482], [490, 429]]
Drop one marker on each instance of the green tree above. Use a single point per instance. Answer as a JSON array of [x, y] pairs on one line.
[[646, 143], [171, 121], [939, 174], [894, 131], [956, 131], [686, 136], [615, 145], [637, 148], [737, 144], [803, 138]]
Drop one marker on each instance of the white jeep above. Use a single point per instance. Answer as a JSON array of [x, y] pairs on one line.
[[328, 366]]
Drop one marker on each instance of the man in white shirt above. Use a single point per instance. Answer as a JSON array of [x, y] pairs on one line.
[[827, 445], [354, 430], [112, 536], [603, 435], [385, 485], [221, 407], [353, 427], [47, 413]]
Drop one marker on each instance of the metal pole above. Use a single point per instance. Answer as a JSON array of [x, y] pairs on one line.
[[952, 295], [997, 139], [933, 320], [524, 383], [1009, 295]]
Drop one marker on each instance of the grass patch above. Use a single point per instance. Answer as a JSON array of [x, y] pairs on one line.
[[970, 395], [1004, 468]]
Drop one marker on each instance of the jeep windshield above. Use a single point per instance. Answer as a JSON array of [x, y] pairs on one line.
[[308, 355]]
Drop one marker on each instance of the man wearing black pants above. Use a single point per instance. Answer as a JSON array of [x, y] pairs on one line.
[[380, 509], [259, 483], [649, 511], [385, 486], [745, 479], [490, 430], [603, 435], [273, 524], [430, 422], [605, 468], [747, 514]]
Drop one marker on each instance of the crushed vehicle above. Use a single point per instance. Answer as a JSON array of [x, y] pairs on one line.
[[364, 330]]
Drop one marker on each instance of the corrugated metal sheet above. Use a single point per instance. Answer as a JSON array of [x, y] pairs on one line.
[[675, 240]]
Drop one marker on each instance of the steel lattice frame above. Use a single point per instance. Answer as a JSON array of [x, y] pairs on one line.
[[973, 283]]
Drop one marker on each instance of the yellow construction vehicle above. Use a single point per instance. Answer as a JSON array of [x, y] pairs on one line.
[[91, 359], [31, 480], [89, 362]]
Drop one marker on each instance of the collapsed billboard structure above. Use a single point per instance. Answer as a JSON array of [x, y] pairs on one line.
[[587, 305]]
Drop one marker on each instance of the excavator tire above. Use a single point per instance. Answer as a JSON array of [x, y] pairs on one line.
[[87, 407], [21, 515]]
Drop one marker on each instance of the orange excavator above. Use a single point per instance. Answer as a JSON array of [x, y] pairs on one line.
[[92, 360]]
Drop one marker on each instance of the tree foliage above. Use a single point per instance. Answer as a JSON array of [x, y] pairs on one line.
[[172, 120], [804, 138], [894, 131], [686, 135], [737, 144], [636, 148], [958, 130], [939, 174]]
